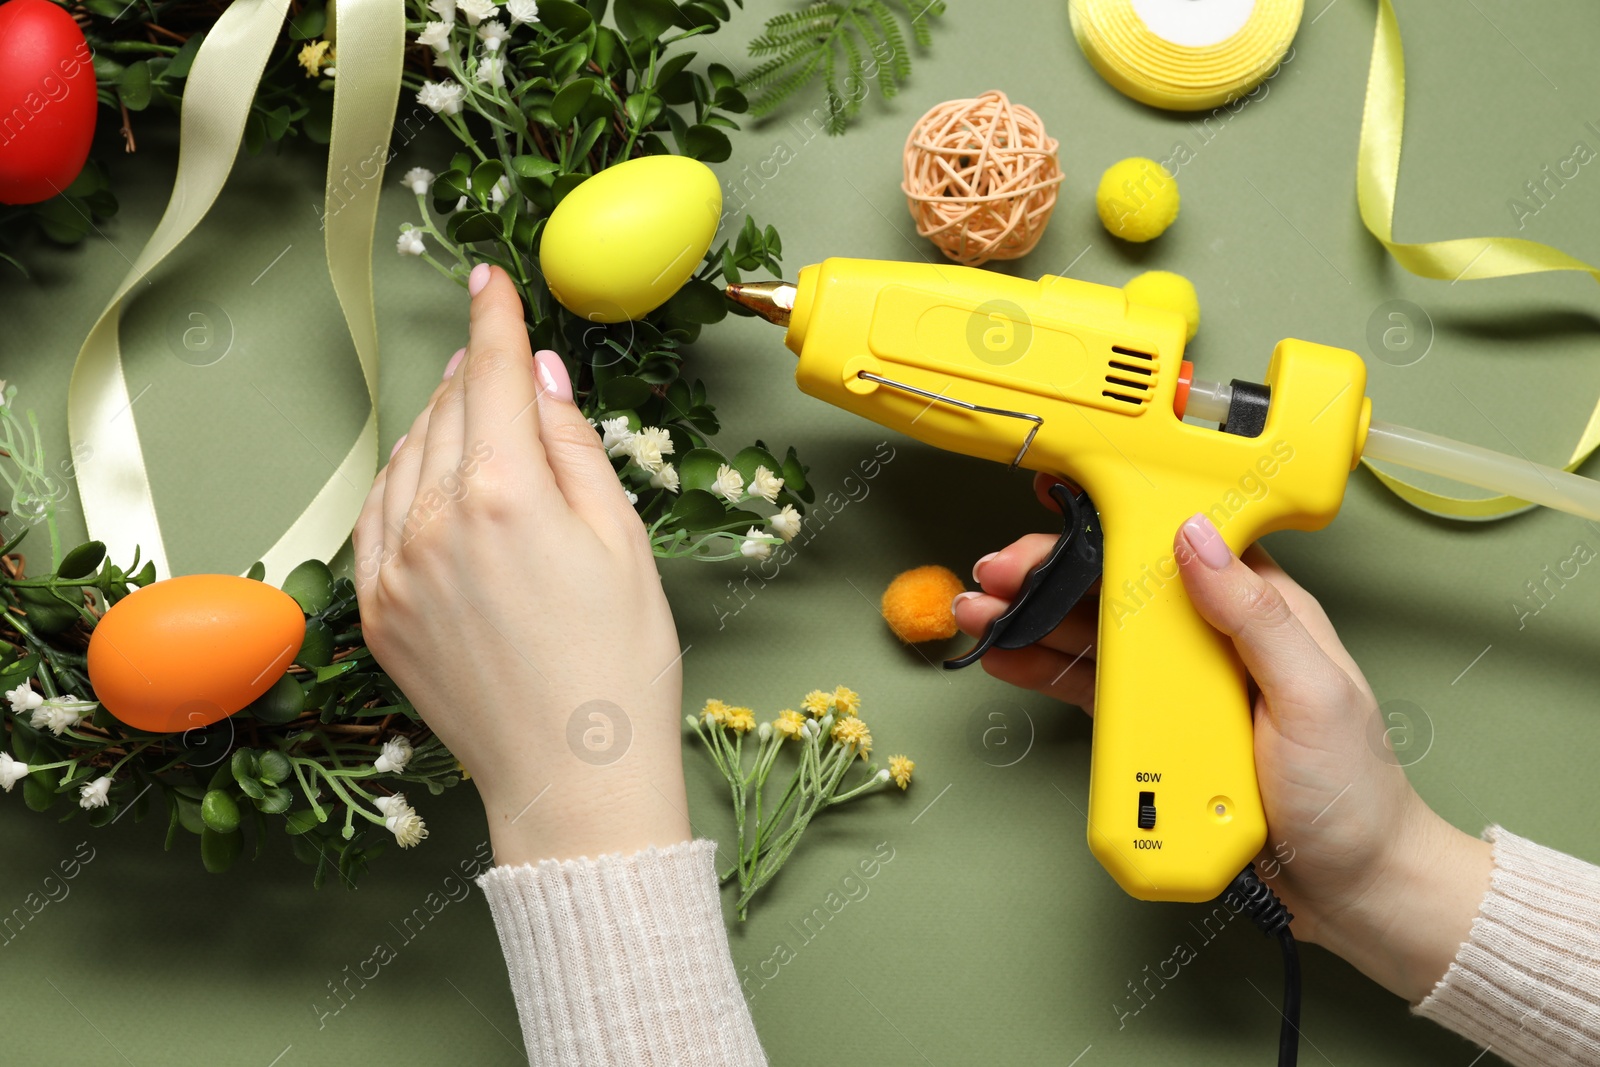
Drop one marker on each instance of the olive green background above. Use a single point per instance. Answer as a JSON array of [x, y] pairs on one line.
[[992, 933]]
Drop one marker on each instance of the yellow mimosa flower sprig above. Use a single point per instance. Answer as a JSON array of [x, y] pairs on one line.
[[829, 735]]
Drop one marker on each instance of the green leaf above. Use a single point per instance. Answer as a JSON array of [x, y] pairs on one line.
[[188, 813], [699, 301], [696, 509], [133, 88], [61, 221], [471, 226], [698, 468], [179, 67], [82, 561], [566, 20], [280, 704], [311, 21], [311, 585], [533, 166], [590, 136], [624, 392], [219, 851], [38, 792], [317, 648], [707, 144], [273, 767], [569, 101], [300, 822], [484, 177], [794, 475], [257, 571], [220, 812], [646, 19], [643, 108], [750, 458], [277, 801]]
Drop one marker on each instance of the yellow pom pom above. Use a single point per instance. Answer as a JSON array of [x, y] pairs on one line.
[[1137, 199], [917, 604], [1164, 289]]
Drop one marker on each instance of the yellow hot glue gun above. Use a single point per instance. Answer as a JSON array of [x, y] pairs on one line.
[[1069, 378]]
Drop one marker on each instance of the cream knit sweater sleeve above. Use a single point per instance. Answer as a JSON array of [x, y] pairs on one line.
[[623, 961], [1526, 983]]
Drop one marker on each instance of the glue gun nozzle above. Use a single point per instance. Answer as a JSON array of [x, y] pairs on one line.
[[773, 301]]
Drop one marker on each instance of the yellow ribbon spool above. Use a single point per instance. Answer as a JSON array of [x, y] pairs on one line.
[[1185, 55]]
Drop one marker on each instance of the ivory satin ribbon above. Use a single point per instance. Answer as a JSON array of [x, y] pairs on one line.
[[113, 483]]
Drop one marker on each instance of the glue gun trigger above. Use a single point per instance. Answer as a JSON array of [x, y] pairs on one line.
[[1053, 587]]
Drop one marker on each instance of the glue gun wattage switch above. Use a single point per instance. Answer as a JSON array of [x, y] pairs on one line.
[[1069, 378]]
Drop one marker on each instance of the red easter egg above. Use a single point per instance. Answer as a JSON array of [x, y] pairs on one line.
[[47, 100]]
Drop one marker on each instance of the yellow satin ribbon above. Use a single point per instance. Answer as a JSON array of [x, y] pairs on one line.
[[1463, 259], [118, 505]]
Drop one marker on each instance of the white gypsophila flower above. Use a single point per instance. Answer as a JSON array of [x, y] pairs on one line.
[[436, 35], [729, 484], [410, 242], [633, 498], [492, 72], [395, 755], [523, 11], [418, 179], [23, 699], [442, 98], [500, 191], [58, 713], [12, 771], [785, 523], [97, 794], [665, 478], [475, 11], [765, 485], [493, 35], [393, 806], [647, 446], [445, 9], [615, 435], [755, 545], [407, 827]]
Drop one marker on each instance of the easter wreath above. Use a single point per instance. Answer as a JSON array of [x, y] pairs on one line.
[[541, 98]]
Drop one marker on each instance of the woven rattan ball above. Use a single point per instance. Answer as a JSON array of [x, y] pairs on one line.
[[981, 177]]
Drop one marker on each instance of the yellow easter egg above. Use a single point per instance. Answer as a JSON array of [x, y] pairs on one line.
[[619, 245], [185, 652]]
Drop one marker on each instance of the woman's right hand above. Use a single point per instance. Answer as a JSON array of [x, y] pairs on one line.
[[1368, 869]]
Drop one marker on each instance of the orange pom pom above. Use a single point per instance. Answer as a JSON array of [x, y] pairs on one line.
[[917, 604]]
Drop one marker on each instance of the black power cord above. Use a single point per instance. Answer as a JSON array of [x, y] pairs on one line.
[[1249, 893]]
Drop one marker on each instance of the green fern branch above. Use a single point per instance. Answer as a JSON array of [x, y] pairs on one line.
[[797, 46]]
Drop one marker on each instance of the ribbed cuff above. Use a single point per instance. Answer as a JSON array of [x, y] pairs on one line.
[[1527, 981], [623, 960]]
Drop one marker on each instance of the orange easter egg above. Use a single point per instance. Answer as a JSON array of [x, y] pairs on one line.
[[185, 652]]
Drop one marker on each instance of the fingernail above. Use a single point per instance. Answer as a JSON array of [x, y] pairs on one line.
[[455, 361], [477, 279], [397, 445], [968, 595], [553, 377], [1206, 542], [981, 561]]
